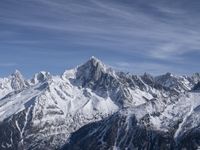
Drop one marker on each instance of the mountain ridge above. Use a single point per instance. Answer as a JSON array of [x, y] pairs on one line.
[[48, 108]]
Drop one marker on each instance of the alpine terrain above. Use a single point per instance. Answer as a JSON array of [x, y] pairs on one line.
[[93, 107]]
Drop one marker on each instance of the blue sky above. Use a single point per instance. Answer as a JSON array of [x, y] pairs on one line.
[[138, 36]]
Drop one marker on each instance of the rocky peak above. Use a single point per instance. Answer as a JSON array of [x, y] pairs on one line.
[[196, 77], [178, 83], [94, 63], [196, 87], [17, 74], [17, 81], [91, 70], [148, 76], [40, 77]]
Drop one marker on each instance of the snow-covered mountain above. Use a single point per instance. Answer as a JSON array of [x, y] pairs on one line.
[[149, 126], [42, 112], [14, 82]]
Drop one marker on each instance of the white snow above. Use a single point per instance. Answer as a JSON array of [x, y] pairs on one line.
[[16, 103]]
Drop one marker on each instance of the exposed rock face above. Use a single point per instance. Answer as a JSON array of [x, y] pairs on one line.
[[119, 131], [15, 82], [41, 77], [178, 83], [196, 87]]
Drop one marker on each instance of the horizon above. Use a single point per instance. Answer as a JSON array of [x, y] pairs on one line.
[[131, 36], [115, 69]]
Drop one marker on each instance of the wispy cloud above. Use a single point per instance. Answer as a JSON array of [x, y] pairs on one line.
[[10, 64], [152, 29]]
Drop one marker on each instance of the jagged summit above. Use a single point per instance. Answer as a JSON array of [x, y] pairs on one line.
[[166, 75], [95, 62], [16, 71], [196, 77], [94, 58], [17, 74], [17, 81], [93, 70], [196, 87], [87, 70], [41, 77]]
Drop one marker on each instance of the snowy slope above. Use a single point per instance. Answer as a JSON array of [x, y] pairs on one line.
[[149, 126]]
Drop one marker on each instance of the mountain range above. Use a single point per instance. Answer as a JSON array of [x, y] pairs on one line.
[[93, 107]]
